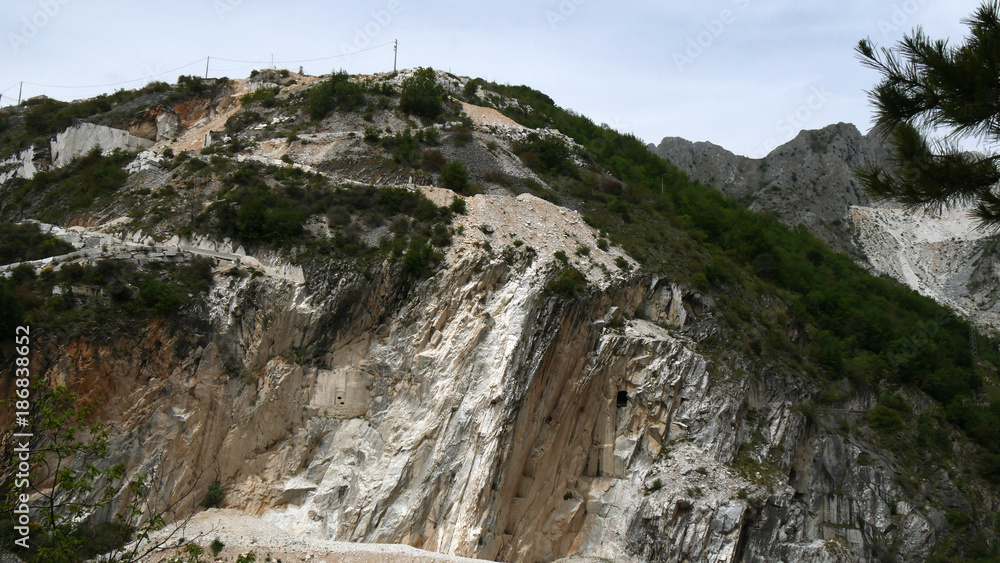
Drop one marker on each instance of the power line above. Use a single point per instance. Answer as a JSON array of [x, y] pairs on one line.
[[118, 83], [307, 60], [207, 60]]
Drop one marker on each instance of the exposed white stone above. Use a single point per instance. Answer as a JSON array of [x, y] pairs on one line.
[[146, 160], [20, 165], [80, 139]]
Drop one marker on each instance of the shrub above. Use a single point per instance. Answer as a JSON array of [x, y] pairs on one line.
[[471, 88], [25, 242], [440, 235], [215, 495], [404, 148], [884, 418], [462, 136], [11, 313], [266, 97], [568, 284], [497, 177], [194, 86], [337, 92], [420, 258], [216, 546], [432, 160], [455, 177], [76, 187], [431, 136], [457, 206], [421, 95], [258, 214], [544, 154], [160, 296]]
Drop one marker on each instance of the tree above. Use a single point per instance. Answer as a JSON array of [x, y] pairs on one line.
[[337, 92], [421, 95], [72, 486], [930, 88], [455, 177]]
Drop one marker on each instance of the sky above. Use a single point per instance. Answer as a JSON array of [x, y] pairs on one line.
[[744, 74]]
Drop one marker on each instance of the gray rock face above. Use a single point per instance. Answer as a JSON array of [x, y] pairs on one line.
[[474, 415], [807, 181], [20, 165], [81, 139]]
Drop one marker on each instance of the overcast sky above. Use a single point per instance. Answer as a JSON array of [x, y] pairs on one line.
[[744, 74]]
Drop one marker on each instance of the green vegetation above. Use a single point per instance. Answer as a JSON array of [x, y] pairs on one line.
[[266, 97], [570, 283], [215, 495], [421, 95], [455, 177], [405, 148], [876, 330], [268, 206], [108, 296], [471, 89], [257, 214], [25, 242], [191, 86], [420, 257], [59, 193], [71, 484], [544, 154], [929, 87], [44, 117], [336, 93]]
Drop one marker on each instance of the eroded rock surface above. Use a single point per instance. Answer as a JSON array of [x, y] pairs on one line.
[[474, 414]]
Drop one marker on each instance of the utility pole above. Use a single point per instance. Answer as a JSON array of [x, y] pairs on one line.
[[395, 51], [19, 88], [207, 59]]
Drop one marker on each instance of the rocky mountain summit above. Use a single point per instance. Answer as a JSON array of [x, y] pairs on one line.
[[418, 311], [808, 181]]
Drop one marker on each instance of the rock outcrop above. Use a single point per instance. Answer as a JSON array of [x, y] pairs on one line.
[[82, 138], [807, 181], [483, 411], [474, 414]]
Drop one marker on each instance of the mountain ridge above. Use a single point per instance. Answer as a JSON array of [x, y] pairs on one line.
[[807, 181], [540, 353]]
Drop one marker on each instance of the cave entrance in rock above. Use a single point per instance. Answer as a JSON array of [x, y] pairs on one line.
[[622, 400]]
